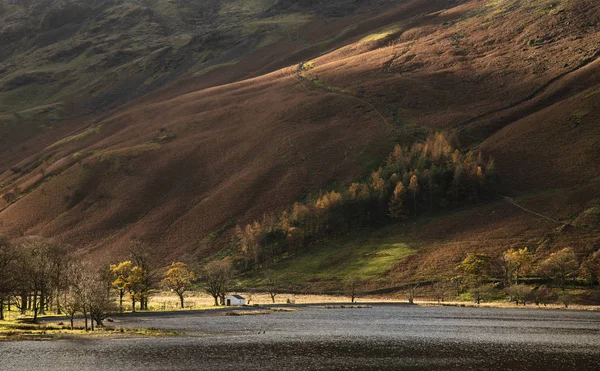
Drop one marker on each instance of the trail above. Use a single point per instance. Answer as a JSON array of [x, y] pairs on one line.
[[330, 89], [514, 203], [537, 92]]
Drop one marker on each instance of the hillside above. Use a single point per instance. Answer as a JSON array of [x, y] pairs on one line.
[[198, 119]]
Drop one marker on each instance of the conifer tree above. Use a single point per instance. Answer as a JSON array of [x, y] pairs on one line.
[[396, 204]]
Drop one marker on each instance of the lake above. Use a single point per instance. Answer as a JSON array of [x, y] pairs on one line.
[[385, 337]]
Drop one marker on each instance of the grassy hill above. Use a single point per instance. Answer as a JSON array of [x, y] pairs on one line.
[[198, 118]]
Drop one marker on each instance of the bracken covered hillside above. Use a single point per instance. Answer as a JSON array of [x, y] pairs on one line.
[[196, 120]]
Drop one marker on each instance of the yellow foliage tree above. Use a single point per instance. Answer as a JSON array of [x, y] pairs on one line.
[[179, 278]]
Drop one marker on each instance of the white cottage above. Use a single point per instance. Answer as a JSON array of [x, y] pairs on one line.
[[235, 300]]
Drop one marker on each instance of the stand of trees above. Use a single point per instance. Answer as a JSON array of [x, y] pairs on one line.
[[427, 176], [38, 275], [483, 276]]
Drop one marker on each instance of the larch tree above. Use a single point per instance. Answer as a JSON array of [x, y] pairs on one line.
[[179, 279], [396, 207], [413, 187]]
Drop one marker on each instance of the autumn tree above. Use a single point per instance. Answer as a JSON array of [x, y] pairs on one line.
[[475, 267], [560, 267], [515, 263], [396, 205], [218, 276], [589, 271], [120, 283], [413, 188], [179, 278]]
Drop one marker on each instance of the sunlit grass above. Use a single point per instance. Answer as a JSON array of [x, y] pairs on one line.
[[17, 330], [368, 255]]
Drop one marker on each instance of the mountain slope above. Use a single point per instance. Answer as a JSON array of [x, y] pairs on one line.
[[179, 167]]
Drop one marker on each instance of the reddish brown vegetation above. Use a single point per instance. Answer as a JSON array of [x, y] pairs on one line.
[[520, 81]]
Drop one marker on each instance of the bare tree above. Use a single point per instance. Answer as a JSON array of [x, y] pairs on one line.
[[271, 284], [141, 256], [440, 290], [8, 274], [352, 287], [218, 276], [38, 270]]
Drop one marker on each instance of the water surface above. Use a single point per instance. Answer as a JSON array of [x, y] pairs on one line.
[[386, 337]]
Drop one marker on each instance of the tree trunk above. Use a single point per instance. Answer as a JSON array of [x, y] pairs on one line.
[[86, 320], [181, 299], [133, 305], [35, 308], [58, 311], [92, 321], [23, 303], [216, 300], [42, 303], [121, 293], [1, 308], [71, 318]]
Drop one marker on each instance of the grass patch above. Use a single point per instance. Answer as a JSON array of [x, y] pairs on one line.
[[367, 254], [282, 309], [381, 34], [247, 312], [17, 330], [83, 134], [344, 306]]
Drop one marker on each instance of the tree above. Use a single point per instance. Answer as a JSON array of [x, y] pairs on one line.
[[413, 187], [179, 278], [519, 293], [353, 285], [589, 270], [412, 292], [135, 286], [99, 300], [146, 278], [440, 290], [271, 284], [514, 263], [560, 267], [481, 292], [8, 272], [38, 270], [218, 276], [70, 304], [121, 272], [475, 267], [396, 206]]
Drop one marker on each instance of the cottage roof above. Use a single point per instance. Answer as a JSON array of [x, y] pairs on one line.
[[237, 296]]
